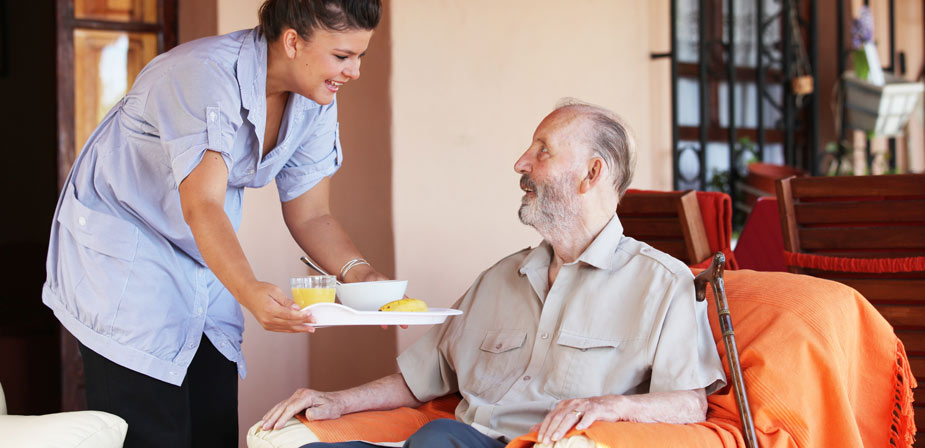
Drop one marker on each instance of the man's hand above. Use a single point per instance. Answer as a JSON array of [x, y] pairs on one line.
[[273, 309], [317, 406], [582, 411], [680, 406]]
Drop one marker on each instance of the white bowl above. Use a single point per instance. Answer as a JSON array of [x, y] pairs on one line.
[[370, 296]]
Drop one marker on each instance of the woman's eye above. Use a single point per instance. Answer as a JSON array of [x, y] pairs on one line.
[[544, 150], [342, 58]]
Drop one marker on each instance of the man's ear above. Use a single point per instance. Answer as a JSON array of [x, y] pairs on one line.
[[290, 40], [595, 172]]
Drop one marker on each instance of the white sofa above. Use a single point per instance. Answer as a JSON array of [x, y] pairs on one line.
[[84, 429]]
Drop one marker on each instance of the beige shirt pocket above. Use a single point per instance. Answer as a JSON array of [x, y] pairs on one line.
[[499, 363], [588, 366]]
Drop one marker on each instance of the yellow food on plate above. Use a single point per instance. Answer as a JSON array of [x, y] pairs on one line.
[[405, 305]]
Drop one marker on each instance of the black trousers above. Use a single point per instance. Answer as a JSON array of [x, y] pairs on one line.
[[201, 412]]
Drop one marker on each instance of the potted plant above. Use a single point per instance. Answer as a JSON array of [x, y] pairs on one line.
[[876, 103]]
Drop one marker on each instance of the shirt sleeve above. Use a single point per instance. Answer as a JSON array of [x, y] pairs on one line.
[[194, 108], [319, 156], [425, 367], [685, 353]]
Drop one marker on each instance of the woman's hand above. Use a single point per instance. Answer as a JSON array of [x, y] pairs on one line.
[[317, 406], [274, 310]]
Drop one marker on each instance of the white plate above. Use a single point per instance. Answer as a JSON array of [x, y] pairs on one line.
[[332, 314]]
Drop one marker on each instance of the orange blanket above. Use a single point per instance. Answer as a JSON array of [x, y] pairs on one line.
[[822, 368]]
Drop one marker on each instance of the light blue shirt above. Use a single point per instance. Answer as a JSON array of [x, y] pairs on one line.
[[124, 274]]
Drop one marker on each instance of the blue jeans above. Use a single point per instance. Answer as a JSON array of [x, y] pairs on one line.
[[436, 434]]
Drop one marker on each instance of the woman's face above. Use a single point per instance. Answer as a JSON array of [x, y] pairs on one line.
[[322, 65]]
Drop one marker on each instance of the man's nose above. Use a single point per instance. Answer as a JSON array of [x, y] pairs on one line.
[[522, 166]]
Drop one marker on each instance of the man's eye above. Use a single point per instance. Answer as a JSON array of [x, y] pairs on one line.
[[543, 149], [342, 58]]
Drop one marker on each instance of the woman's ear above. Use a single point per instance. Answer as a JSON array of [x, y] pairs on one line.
[[290, 40], [595, 171]]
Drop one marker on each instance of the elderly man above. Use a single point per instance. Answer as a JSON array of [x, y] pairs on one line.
[[588, 326]]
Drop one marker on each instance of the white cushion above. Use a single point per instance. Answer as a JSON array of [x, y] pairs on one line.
[[293, 434], [2, 402], [578, 441], [84, 429]]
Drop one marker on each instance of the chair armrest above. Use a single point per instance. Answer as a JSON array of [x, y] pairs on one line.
[[293, 434], [64, 429], [2, 401]]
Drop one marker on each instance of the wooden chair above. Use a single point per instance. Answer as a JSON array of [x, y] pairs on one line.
[[867, 232], [668, 221]]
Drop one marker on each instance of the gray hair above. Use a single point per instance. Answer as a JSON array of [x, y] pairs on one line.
[[611, 140]]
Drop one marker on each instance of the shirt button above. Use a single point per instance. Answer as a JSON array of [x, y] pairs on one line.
[[250, 171], [527, 378], [212, 116], [199, 311], [545, 335], [82, 221], [498, 346], [191, 345], [173, 373]]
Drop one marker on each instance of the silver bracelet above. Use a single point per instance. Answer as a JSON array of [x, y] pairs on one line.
[[350, 265]]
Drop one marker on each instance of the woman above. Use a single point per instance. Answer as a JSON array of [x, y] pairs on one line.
[[144, 267]]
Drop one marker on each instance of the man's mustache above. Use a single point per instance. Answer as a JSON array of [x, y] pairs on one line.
[[526, 183]]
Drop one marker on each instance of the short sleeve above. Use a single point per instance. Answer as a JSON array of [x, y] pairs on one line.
[[425, 368], [318, 156], [685, 353], [194, 108]]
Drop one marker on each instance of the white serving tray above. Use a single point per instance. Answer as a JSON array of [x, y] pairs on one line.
[[335, 314]]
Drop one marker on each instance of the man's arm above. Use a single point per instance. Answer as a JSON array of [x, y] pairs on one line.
[[683, 406], [385, 393]]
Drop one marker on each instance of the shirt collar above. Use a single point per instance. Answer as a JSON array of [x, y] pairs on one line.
[[600, 253], [252, 75]]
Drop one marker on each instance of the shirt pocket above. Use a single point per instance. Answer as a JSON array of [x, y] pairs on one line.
[[500, 362], [588, 366], [98, 263], [98, 231]]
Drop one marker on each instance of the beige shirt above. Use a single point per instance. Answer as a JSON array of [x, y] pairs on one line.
[[622, 319]]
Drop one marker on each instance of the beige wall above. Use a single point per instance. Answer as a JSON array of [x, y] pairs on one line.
[[471, 80]]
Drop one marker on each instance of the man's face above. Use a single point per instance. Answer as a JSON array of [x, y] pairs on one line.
[[551, 171]]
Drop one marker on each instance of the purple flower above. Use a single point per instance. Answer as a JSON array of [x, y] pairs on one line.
[[862, 28]]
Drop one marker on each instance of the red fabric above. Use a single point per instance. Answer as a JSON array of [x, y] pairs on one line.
[[761, 244], [716, 211], [864, 265]]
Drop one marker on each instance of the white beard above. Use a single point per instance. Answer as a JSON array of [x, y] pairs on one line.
[[555, 211]]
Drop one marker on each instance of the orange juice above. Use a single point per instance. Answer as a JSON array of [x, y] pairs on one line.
[[310, 296]]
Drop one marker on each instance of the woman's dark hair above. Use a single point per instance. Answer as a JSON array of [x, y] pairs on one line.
[[305, 16]]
